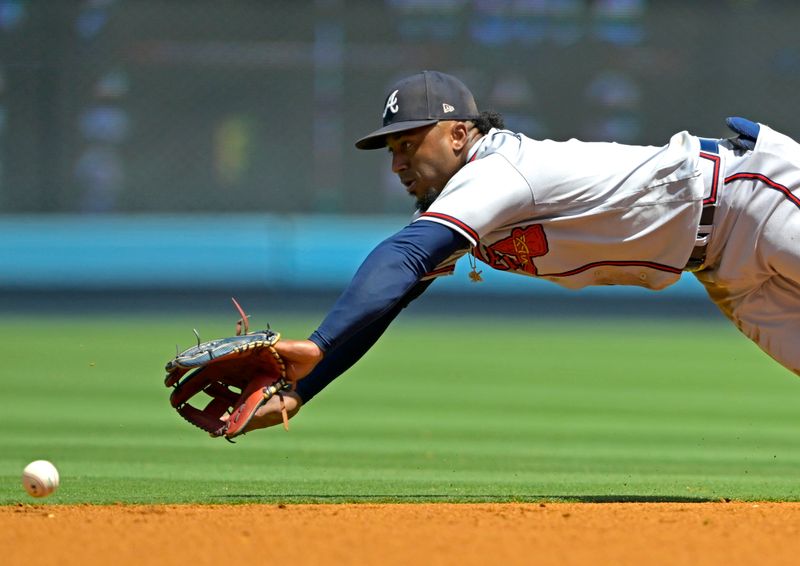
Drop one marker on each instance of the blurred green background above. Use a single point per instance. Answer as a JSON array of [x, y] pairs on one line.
[[459, 409]]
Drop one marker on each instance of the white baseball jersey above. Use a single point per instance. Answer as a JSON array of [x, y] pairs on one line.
[[600, 213], [576, 213]]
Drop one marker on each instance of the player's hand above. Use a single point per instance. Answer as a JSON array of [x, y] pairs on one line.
[[300, 357]]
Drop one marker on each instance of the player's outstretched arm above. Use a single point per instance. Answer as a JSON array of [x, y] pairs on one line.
[[387, 281], [330, 366]]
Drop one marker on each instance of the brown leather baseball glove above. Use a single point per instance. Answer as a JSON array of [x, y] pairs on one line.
[[239, 374]]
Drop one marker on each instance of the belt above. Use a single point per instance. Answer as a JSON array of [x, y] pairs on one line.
[[709, 150]]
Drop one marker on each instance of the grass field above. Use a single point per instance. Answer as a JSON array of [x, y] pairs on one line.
[[459, 410]]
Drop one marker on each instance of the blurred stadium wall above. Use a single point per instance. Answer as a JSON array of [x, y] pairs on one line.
[[171, 144]]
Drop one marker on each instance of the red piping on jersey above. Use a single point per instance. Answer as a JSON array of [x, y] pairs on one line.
[[476, 251], [441, 271], [769, 182], [712, 198], [650, 264], [472, 233]]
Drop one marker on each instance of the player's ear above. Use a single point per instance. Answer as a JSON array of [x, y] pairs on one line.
[[459, 135]]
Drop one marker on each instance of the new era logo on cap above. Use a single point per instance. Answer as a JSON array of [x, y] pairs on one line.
[[421, 100]]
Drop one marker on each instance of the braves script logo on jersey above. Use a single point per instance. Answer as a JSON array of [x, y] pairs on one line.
[[391, 104], [516, 252]]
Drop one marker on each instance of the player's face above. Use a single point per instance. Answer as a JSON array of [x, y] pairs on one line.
[[424, 159]]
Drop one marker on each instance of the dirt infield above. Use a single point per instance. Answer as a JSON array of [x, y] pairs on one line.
[[584, 534]]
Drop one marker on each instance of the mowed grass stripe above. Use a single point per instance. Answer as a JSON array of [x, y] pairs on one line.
[[579, 410]]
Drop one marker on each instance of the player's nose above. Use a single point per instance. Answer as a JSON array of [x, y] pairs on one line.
[[399, 162]]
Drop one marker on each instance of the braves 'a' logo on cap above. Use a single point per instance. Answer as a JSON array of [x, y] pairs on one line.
[[391, 104]]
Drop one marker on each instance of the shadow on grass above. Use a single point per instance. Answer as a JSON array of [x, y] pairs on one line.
[[427, 498]]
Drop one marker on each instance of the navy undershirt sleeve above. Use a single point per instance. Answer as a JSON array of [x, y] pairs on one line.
[[390, 271], [387, 281], [339, 360]]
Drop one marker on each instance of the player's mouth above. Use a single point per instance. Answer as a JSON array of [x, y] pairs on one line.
[[409, 184]]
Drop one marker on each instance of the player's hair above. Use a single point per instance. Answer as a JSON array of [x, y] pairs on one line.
[[489, 119]]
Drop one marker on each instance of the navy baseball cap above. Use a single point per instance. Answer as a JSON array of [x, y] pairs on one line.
[[421, 100]]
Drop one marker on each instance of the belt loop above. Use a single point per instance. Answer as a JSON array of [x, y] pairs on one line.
[[709, 145]]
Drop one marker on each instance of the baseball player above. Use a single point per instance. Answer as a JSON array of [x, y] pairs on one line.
[[572, 212]]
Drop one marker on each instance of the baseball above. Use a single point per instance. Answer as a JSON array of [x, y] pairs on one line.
[[40, 478]]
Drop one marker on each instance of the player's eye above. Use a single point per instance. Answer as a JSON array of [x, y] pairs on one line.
[[403, 146]]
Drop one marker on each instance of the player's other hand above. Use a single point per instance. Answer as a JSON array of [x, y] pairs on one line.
[[300, 357]]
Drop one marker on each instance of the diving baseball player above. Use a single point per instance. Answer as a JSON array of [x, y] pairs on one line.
[[572, 212]]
